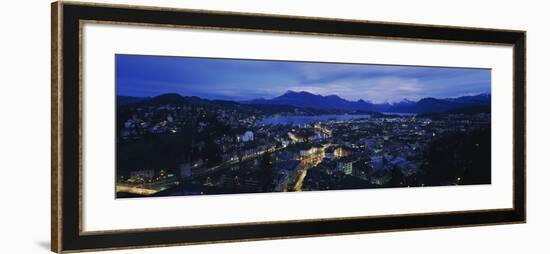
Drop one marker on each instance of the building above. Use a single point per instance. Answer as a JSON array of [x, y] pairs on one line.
[[319, 135], [129, 124], [295, 138], [144, 174], [399, 161], [289, 166], [362, 169], [380, 177], [312, 154], [281, 181], [370, 145], [345, 166], [248, 136], [240, 183], [339, 152], [377, 162], [334, 153], [329, 153], [308, 151], [185, 170]]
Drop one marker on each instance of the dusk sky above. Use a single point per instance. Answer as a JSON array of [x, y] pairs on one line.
[[226, 79]]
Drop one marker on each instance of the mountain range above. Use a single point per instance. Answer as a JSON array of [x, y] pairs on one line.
[[480, 102]]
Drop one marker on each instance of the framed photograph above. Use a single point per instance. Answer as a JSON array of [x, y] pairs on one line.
[[176, 126]]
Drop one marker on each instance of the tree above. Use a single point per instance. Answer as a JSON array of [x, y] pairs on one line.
[[397, 177], [266, 172], [459, 158]]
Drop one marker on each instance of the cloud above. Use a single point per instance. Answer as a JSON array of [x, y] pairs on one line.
[[379, 89], [246, 79], [325, 89]]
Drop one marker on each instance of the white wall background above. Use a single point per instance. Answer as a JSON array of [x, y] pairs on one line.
[[25, 125]]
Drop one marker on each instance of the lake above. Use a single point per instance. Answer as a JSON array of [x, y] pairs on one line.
[[398, 114], [301, 120]]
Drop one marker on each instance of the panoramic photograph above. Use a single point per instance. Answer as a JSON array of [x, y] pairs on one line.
[[209, 126]]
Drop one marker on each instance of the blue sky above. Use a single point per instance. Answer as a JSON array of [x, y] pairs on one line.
[[250, 79]]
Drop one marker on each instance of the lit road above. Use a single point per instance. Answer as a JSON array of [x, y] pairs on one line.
[[234, 161], [302, 172], [146, 189]]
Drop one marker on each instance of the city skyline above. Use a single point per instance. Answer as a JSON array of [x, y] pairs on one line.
[[241, 80]]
